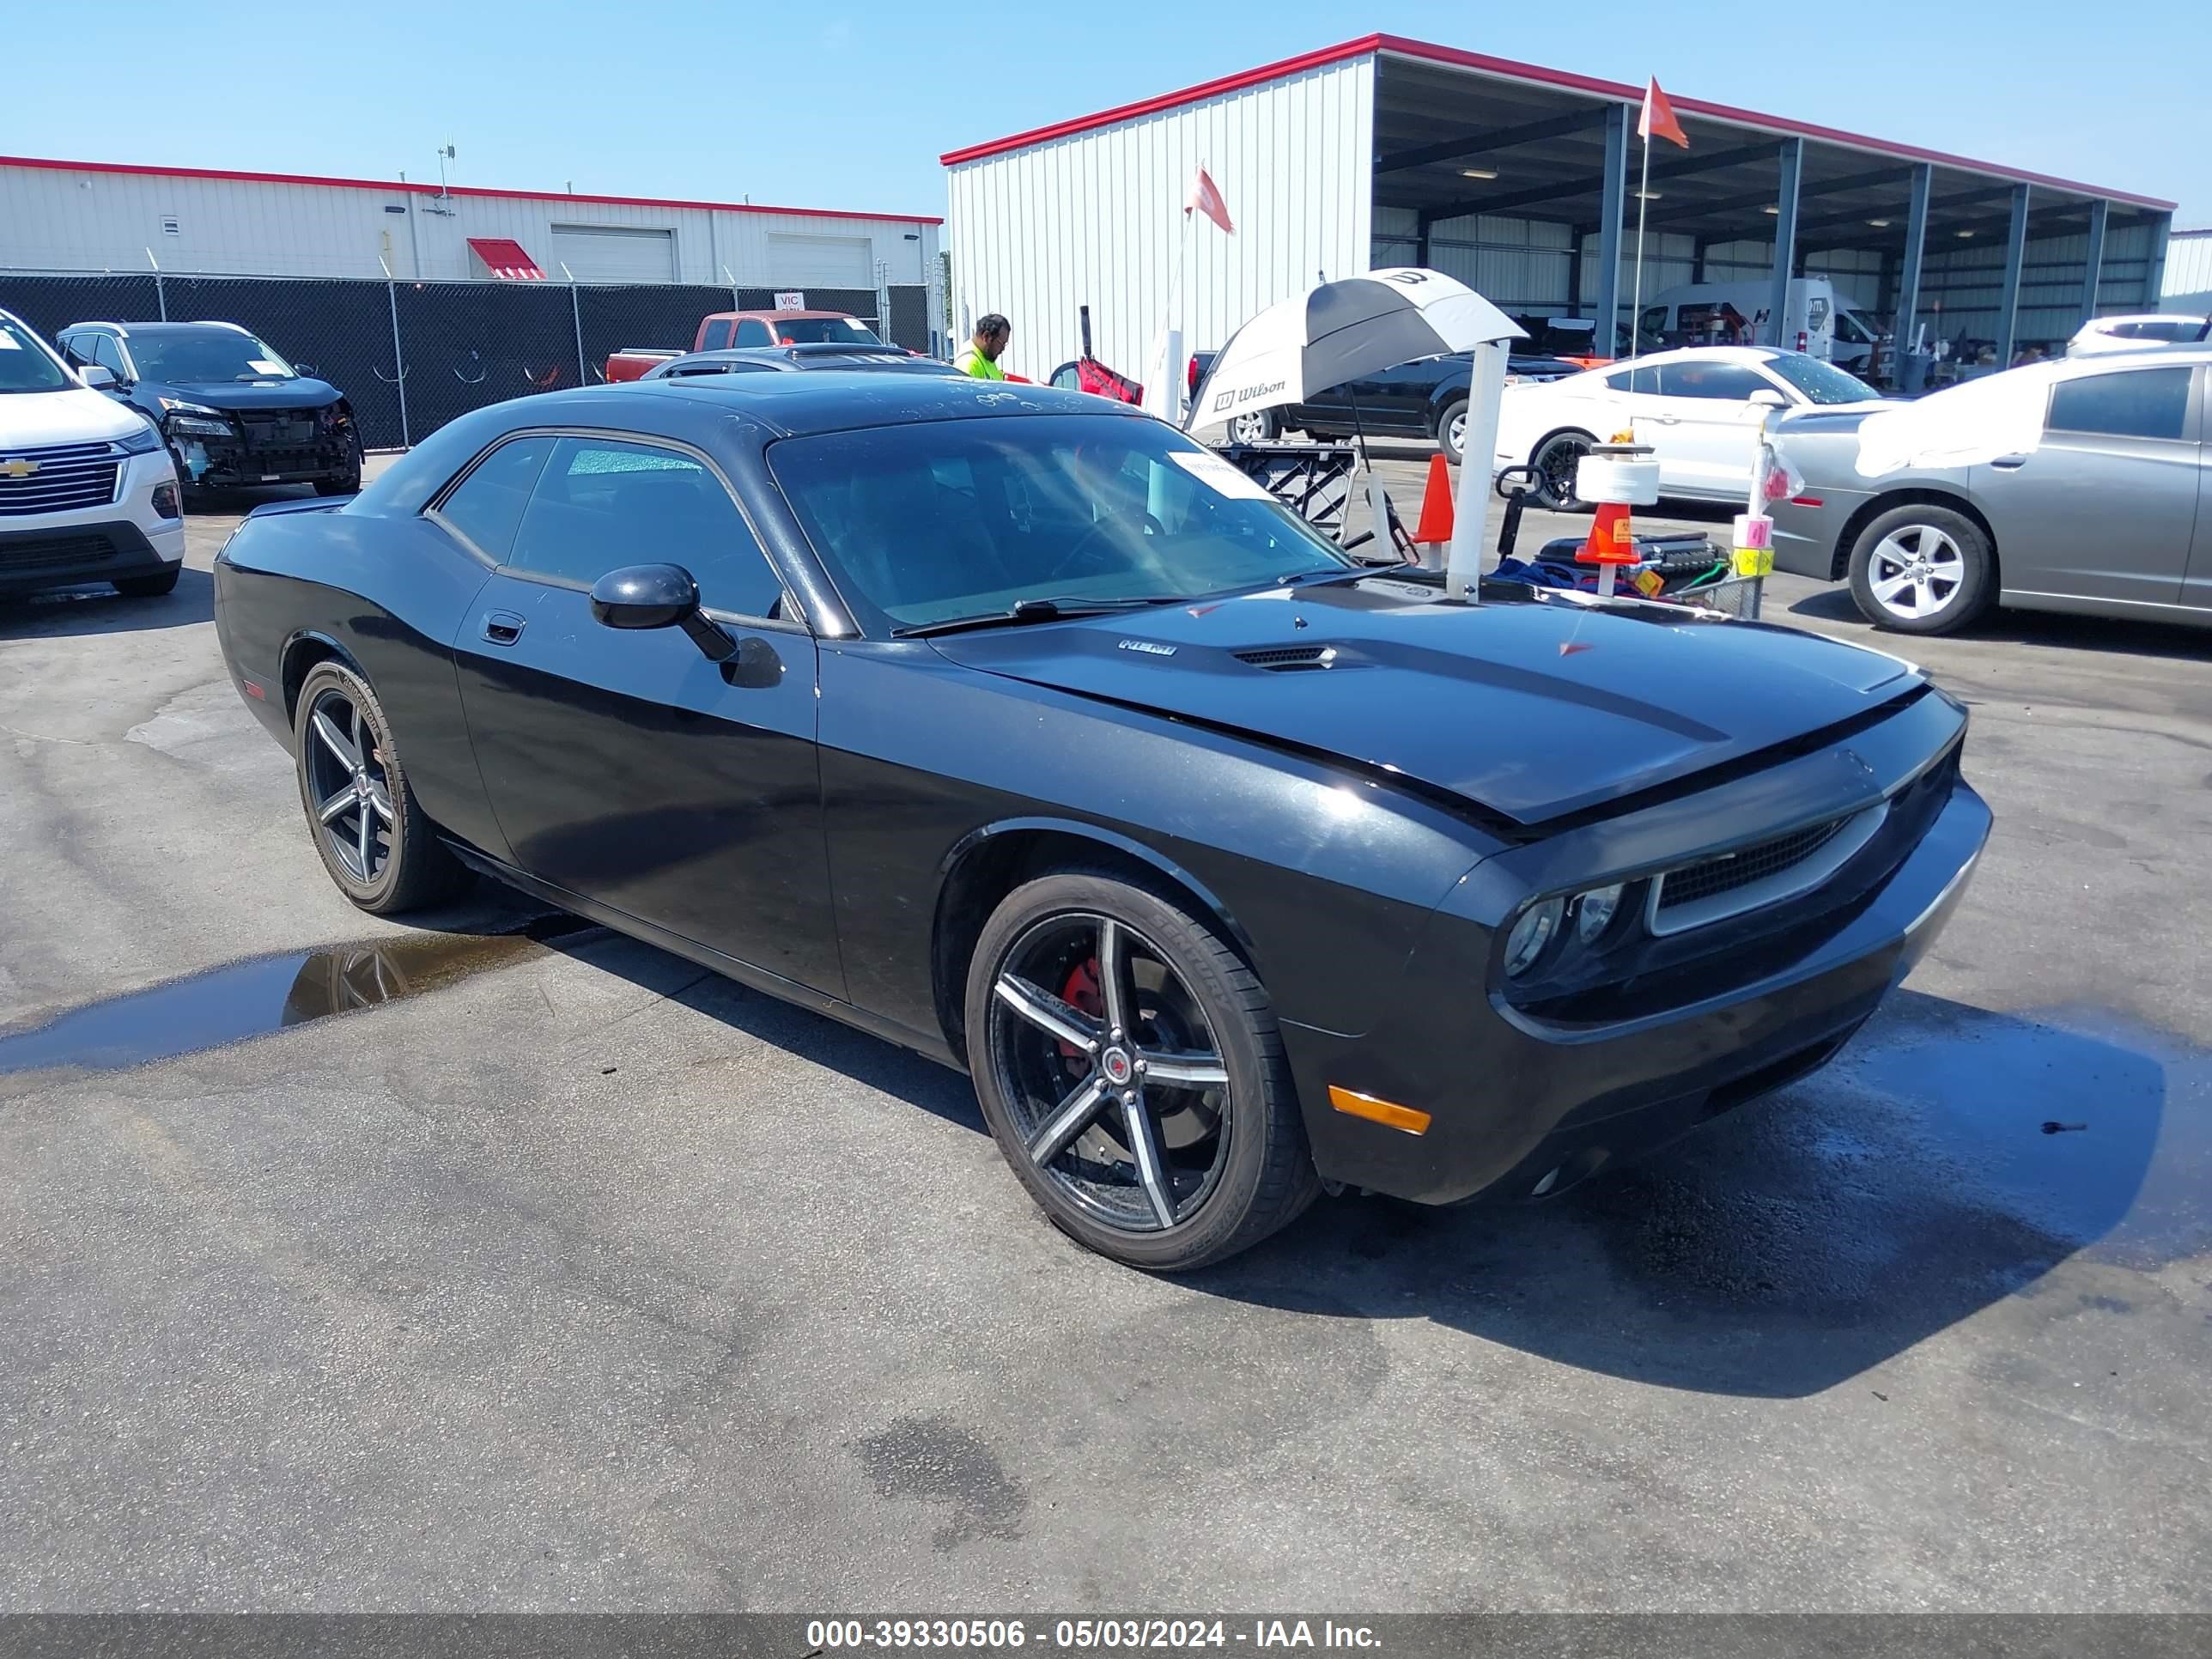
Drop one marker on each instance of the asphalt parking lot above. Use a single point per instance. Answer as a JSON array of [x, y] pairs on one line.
[[563, 1277]]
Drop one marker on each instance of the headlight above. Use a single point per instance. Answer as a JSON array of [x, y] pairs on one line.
[[179, 406], [143, 441], [1531, 934], [201, 426], [1595, 910]]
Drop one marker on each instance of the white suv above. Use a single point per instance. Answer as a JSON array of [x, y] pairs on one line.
[[87, 492]]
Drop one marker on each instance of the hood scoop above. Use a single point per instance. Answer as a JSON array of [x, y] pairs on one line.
[[1293, 659]]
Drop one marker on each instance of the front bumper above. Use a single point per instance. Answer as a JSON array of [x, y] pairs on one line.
[[1520, 1109], [325, 454], [1807, 538], [111, 542]]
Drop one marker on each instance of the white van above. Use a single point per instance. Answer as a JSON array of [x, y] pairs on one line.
[[1736, 313], [87, 492]]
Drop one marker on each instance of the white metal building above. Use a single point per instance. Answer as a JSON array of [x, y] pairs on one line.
[[90, 215], [2188, 272], [1518, 179]]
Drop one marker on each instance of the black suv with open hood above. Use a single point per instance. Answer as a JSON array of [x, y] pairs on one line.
[[233, 410]]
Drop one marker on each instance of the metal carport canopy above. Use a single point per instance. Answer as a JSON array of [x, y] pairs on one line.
[[1441, 111]]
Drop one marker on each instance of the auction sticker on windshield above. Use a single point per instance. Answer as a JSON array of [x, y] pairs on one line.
[[1220, 475]]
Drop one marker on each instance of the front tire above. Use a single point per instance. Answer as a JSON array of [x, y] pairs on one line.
[[1129, 1065], [1922, 569], [1554, 464], [372, 837], [1451, 431], [1257, 426]]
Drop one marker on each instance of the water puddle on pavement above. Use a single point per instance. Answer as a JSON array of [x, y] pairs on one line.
[[261, 994]]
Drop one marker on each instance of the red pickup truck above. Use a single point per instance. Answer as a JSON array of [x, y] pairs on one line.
[[720, 329]]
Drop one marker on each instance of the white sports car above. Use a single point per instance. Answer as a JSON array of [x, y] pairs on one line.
[[1699, 409]]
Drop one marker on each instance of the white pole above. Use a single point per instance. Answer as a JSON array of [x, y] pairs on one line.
[[1636, 304], [1478, 457]]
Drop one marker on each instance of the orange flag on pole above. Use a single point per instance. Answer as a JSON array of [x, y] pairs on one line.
[[1658, 120], [1206, 198]]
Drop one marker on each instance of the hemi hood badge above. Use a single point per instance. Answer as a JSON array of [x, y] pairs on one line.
[[1151, 648]]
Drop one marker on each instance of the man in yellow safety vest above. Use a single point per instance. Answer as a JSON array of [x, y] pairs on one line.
[[981, 359]]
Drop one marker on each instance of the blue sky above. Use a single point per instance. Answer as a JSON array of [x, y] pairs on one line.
[[848, 106]]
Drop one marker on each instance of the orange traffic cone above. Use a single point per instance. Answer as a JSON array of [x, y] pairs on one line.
[[1611, 537], [1435, 529]]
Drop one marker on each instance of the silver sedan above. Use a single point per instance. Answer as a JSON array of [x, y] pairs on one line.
[[2083, 485]]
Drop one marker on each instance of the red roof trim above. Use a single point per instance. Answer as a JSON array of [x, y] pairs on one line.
[[413, 188], [1508, 68]]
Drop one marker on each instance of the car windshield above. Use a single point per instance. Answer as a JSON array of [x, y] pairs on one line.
[[205, 354], [26, 365], [1821, 383], [817, 331], [936, 521]]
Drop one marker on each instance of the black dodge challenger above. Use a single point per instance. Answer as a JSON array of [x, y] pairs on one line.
[[1012, 726]]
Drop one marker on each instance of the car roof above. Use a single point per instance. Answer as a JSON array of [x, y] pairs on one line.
[[828, 356], [837, 399], [1745, 355], [156, 331]]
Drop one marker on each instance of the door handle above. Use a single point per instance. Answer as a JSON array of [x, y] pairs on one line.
[[502, 626], [1666, 420], [2009, 463]]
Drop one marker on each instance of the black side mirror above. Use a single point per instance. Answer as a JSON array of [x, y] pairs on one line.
[[659, 596]]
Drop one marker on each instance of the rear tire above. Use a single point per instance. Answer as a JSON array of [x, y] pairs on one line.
[[149, 587], [1165, 1175], [1919, 568], [379, 849], [1554, 466]]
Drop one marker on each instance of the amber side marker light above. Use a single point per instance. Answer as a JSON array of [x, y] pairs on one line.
[[1379, 1111]]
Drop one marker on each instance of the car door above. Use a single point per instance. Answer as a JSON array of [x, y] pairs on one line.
[[2106, 505], [1707, 425], [2197, 582], [624, 766], [1630, 402], [1400, 397]]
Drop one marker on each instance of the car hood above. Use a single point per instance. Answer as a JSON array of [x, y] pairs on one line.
[[1528, 707], [33, 420], [302, 393]]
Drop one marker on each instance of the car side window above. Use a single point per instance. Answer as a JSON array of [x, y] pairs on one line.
[[754, 332], [716, 334], [1633, 379], [1729, 381], [2141, 402], [487, 505], [103, 350], [602, 503]]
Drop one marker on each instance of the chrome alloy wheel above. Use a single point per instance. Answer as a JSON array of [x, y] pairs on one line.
[[1116, 1081], [1915, 571], [348, 784]]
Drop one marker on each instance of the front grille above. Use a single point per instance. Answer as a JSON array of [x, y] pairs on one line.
[[279, 428], [67, 476], [76, 551], [1714, 877]]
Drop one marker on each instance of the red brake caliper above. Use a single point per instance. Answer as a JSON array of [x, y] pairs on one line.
[[1081, 994]]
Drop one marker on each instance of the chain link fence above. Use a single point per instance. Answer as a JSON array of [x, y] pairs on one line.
[[411, 355]]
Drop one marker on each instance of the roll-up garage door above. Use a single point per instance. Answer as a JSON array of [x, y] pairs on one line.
[[614, 253], [821, 261]]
